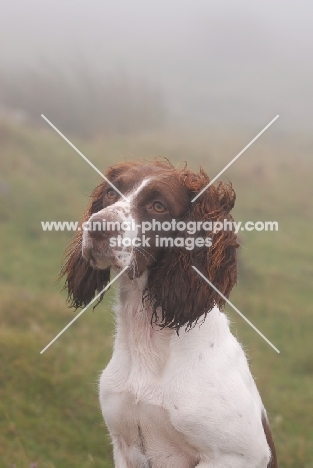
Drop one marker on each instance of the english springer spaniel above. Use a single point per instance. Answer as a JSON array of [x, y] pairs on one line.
[[177, 392]]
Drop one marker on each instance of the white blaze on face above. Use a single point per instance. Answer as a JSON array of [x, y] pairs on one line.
[[125, 253], [132, 233]]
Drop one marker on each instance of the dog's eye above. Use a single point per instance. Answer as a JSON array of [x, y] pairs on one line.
[[158, 207], [111, 194]]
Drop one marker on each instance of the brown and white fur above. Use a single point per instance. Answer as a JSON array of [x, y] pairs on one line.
[[177, 392]]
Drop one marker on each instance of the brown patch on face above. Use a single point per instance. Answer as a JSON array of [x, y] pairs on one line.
[[162, 199]]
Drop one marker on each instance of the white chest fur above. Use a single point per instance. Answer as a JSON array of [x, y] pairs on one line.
[[179, 401]]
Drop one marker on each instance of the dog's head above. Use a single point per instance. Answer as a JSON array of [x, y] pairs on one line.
[[145, 219]]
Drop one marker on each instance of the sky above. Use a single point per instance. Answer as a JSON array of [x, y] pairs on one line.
[[217, 63]]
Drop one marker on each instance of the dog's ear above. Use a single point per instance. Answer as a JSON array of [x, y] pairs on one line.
[[178, 295], [82, 281]]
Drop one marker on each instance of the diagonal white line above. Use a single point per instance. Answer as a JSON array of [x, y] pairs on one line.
[[235, 158], [82, 311], [235, 308], [83, 156]]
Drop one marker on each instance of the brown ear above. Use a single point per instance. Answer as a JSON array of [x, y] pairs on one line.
[[179, 296], [82, 281]]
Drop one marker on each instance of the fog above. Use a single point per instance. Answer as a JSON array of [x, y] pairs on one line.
[[213, 63]]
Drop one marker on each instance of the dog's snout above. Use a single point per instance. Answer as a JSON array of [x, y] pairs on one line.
[[96, 228], [98, 225]]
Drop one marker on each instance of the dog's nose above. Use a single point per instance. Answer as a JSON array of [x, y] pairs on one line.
[[97, 228]]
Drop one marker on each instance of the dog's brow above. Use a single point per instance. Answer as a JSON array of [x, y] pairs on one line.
[[137, 190]]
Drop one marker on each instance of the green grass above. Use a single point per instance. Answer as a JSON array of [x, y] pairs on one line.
[[49, 410]]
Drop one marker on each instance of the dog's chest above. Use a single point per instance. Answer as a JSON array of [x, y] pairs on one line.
[[134, 406], [141, 424]]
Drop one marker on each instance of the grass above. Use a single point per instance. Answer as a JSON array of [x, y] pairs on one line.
[[49, 408]]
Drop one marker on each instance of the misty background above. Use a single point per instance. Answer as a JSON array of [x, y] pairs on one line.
[[124, 79], [131, 66]]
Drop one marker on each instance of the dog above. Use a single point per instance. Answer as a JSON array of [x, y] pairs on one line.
[[177, 392]]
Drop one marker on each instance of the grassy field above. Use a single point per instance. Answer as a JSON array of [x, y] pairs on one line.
[[49, 411]]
